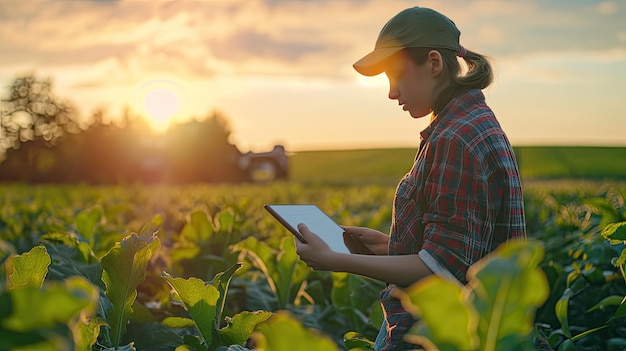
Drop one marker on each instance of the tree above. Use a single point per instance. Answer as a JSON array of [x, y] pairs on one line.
[[199, 150], [30, 111]]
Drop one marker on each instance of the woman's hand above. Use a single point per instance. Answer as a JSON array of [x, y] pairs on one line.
[[314, 252], [366, 241], [370, 257]]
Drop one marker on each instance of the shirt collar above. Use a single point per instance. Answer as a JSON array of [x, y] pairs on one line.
[[452, 109]]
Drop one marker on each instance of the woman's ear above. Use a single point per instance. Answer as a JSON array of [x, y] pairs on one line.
[[436, 63]]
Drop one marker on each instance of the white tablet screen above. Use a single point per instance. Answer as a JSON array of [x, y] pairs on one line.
[[315, 219]]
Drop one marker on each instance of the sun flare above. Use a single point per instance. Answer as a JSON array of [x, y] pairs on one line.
[[160, 101], [375, 81]]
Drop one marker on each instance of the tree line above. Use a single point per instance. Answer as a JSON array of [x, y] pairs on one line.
[[43, 141]]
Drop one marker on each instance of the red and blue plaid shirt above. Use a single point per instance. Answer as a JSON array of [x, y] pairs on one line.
[[461, 199]]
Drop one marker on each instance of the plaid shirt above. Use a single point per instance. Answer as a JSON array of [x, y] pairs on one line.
[[461, 199]]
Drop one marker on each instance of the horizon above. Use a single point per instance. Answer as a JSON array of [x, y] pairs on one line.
[[280, 71]]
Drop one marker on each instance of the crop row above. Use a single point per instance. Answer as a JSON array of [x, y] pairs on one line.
[[205, 268]]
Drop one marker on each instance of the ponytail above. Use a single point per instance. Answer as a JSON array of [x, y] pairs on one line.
[[479, 73]]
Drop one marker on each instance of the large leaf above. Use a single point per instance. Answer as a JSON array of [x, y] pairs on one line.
[[447, 320], [56, 302], [124, 269], [283, 271], [204, 244], [85, 253], [353, 296], [203, 304], [241, 326], [28, 269], [282, 333], [200, 300], [199, 229], [64, 304], [496, 310], [70, 261], [508, 288]]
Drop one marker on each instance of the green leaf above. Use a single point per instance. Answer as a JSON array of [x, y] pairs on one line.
[[225, 220], [349, 296], [124, 269], [284, 272], [232, 348], [615, 232], [69, 239], [221, 282], [86, 332], [286, 265], [621, 311], [154, 336], [6, 250], [621, 260], [28, 269], [192, 341], [607, 301], [54, 302], [178, 322], [445, 319], [87, 221], [241, 326], [508, 288], [588, 332], [200, 300], [261, 255], [199, 229], [561, 309], [86, 328], [343, 287], [282, 332], [356, 341]]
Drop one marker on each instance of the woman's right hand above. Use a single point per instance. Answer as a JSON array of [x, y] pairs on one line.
[[366, 241]]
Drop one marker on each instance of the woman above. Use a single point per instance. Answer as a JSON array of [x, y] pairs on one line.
[[462, 197]]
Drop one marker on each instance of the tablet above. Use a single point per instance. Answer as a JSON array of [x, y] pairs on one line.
[[290, 215]]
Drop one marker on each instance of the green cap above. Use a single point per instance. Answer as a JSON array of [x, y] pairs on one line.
[[415, 27]]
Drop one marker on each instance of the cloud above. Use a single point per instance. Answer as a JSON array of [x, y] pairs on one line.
[[126, 40], [246, 44], [559, 68]]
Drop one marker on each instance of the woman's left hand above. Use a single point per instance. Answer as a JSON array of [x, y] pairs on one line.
[[314, 252]]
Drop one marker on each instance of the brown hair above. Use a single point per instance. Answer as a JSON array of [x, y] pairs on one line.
[[479, 73]]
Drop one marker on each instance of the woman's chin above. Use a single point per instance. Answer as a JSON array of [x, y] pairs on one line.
[[418, 114]]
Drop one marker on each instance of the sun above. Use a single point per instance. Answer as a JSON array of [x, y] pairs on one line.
[[160, 101]]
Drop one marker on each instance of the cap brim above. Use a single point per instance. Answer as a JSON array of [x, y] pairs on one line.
[[373, 63]]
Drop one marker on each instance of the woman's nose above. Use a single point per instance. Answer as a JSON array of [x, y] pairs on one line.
[[394, 93]]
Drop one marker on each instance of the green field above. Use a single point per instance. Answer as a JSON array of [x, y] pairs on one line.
[[205, 268], [387, 166]]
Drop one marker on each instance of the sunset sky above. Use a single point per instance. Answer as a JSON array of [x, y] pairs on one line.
[[281, 71]]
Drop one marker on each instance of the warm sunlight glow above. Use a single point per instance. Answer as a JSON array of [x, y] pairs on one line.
[[160, 101], [375, 81], [161, 104]]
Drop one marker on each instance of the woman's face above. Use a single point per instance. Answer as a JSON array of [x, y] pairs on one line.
[[412, 85]]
